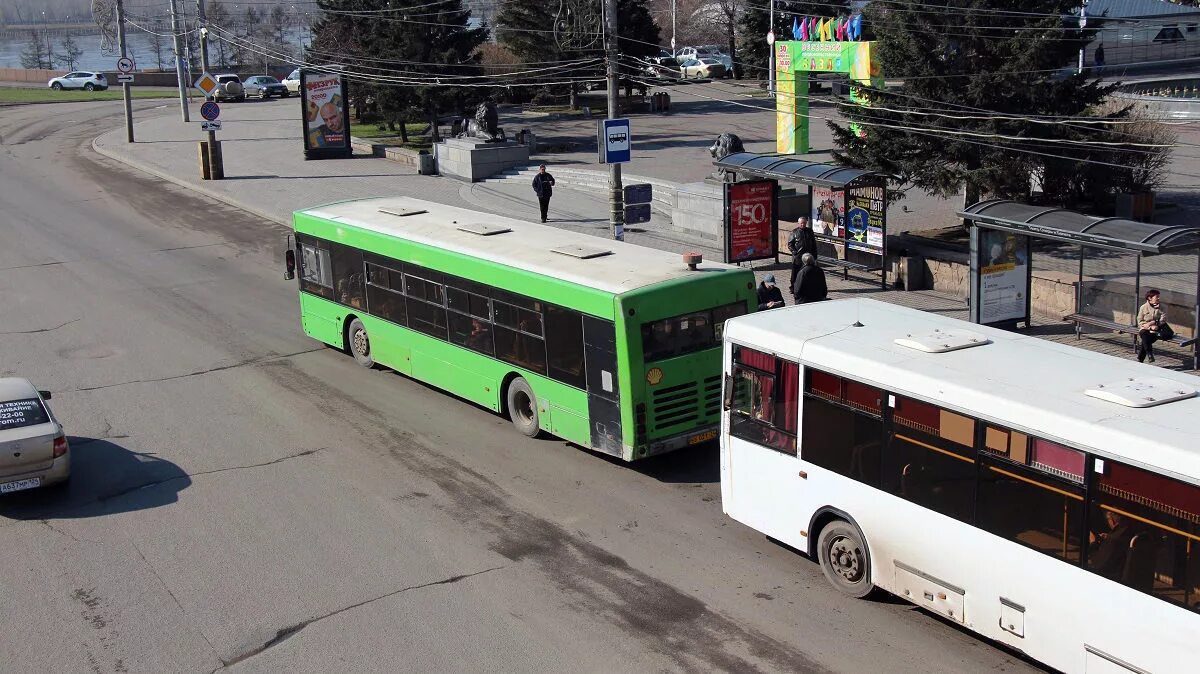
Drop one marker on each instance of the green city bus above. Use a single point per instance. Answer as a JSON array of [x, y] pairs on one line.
[[608, 345]]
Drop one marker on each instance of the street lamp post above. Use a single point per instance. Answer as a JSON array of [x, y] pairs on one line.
[[1082, 25], [771, 53]]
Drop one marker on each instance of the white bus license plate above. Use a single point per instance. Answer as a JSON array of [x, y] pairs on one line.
[[20, 485]]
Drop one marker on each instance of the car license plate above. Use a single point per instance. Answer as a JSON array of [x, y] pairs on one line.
[[702, 437], [20, 485]]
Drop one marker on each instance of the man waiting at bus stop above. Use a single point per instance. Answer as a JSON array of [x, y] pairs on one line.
[[769, 296], [810, 282], [543, 187]]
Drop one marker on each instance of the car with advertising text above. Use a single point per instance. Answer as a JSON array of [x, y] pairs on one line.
[[33, 446]]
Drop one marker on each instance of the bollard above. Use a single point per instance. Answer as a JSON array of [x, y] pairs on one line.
[[216, 165], [205, 172]]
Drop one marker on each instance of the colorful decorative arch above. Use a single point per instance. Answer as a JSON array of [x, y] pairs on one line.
[[796, 60]]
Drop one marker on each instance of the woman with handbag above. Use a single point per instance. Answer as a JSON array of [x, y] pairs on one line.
[[1152, 325]]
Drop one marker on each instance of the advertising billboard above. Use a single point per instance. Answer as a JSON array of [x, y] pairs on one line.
[[326, 115], [1001, 288], [828, 213], [751, 220], [865, 218]]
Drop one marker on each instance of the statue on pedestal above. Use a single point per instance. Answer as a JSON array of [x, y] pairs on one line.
[[725, 145], [485, 125]]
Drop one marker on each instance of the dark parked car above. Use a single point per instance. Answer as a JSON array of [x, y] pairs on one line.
[[265, 86]]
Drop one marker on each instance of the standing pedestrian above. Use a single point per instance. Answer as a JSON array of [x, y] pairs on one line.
[[810, 282], [769, 296], [801, 241], [543, 187], [1098, 58]]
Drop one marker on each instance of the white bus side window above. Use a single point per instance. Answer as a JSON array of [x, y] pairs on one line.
[[764, 399], [930, 458], [843, 426], [1035, 498], [1145, 533]]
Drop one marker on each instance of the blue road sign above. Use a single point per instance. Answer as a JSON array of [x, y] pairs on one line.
[[637, 214], [639, 194], [210, 110], [614, 141]]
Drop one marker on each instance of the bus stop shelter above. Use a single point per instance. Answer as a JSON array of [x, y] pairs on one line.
[[847, 206], [1107, 292]]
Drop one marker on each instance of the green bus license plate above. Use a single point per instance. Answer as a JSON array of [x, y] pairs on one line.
[[20, 485], [702, 437]]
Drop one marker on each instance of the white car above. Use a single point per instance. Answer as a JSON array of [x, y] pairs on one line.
[[292, 82], [704, 68], [86, 80], [33, 446], [708, 52]]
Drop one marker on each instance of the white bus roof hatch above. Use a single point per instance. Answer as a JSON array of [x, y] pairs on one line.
[[1142, 391], [938, 340]]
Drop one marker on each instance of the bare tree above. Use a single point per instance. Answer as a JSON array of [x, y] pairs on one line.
[[158, 46], [34, 54], [70, 52]]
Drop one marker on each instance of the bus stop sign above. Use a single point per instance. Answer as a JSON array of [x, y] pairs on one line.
[[614, 142]]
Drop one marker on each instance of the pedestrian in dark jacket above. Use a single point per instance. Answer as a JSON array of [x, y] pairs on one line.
[[543, 187], [801, 241], [810, 282], [769, 295]]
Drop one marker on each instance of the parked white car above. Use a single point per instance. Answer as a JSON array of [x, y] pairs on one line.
[[704, 68], [33, 446], [712, 52], [292, 82], [81, 79]]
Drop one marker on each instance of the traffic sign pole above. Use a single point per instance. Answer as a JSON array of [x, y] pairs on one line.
[[124, 85]]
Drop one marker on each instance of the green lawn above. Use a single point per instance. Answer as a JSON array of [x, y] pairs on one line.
[[371, 130], [47, 95]]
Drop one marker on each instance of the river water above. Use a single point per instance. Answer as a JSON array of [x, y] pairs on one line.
[[92, 58]]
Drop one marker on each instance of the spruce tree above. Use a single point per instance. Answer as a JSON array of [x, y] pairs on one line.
[[976, 73], [537, 32], [420, 60]]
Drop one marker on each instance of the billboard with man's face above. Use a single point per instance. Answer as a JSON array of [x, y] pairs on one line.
[[326, 115]]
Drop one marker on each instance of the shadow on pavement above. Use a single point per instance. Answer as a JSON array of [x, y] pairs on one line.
[[700, 464], [106, 478]]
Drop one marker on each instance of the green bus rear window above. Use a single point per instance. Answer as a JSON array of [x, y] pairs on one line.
[[687, 333]]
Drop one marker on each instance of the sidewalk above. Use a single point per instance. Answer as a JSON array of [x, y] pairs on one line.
[[267, 175]]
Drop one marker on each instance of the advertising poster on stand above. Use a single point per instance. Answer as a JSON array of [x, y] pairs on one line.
[[751, 226], [828, 212], [865, 215], [326, 115], [1004, 277]]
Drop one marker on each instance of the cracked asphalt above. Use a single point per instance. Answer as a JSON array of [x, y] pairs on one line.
[[246, 500]]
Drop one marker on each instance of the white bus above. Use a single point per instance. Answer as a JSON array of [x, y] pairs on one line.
[[1041, 495]]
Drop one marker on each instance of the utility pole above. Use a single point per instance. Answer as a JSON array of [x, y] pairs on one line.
[[124, 85], [203, 22], [616, 216], [183, 98], [673, 28]]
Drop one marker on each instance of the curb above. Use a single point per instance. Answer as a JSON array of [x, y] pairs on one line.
[[163, 175]]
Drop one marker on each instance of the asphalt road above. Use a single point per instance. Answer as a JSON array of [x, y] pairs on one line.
[[244, 498]]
